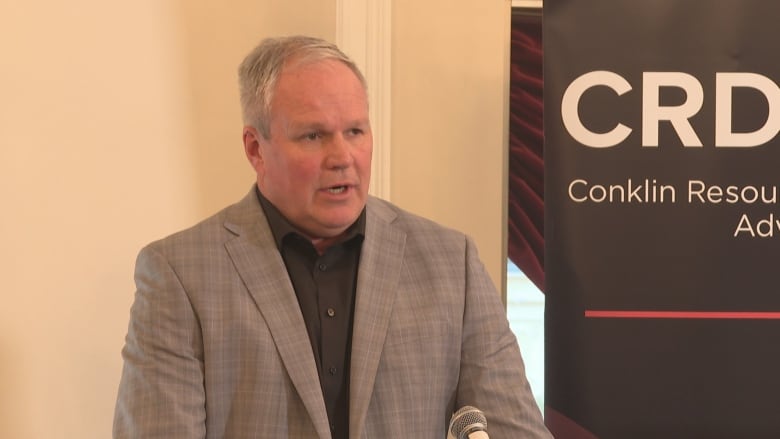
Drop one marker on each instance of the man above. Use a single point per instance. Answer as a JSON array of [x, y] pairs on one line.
[[309, 309]]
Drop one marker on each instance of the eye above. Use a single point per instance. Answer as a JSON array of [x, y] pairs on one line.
[[353, 132], [311, 136]]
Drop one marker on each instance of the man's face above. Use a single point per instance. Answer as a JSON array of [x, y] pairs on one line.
[[316, 165]]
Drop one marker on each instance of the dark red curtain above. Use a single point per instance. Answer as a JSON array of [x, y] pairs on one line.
[[526, 159]]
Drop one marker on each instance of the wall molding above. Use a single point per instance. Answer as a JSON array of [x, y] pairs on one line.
[[527, 4], [363, 32]]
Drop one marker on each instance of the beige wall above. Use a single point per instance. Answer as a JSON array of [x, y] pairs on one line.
[[119, 124], [449, 87]]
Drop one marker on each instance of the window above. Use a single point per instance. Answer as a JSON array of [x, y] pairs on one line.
[[525, 310]]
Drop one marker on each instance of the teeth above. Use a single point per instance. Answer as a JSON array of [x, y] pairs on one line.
[[337, 190]]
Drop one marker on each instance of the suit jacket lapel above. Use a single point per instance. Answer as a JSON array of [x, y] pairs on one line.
[[262, 269], [380, 266]]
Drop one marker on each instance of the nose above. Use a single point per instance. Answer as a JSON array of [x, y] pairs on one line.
[[338, 154]]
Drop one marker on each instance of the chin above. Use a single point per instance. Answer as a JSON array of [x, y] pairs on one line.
[[340, 222]]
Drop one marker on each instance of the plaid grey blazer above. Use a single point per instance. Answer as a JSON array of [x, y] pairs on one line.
[[217, 348]]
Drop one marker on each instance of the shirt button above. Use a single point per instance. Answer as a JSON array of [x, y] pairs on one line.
[[331, 312], [322, 267], [332, 370]]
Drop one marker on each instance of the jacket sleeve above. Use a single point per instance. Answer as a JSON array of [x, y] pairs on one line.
[[492, 375], [161, 393]]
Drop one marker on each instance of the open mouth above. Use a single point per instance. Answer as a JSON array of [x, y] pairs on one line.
[[337, 189]]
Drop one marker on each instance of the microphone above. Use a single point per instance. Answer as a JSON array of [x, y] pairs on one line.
[[468, 423]]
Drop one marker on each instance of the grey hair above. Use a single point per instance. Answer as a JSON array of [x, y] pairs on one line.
[[260, 70]]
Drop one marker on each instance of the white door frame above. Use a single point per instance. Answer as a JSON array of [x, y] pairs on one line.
[[363, 32]]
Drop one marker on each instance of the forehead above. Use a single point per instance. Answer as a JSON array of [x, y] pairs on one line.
[[318, 87]]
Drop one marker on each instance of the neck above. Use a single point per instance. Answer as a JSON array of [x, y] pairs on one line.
[[322, 244]]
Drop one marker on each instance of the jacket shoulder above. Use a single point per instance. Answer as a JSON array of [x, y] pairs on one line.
[[215, 229], [407, 221]]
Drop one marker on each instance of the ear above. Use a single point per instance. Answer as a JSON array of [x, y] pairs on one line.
[[252, 149]]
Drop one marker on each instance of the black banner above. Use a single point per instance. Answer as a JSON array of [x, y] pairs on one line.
[[662, 223]]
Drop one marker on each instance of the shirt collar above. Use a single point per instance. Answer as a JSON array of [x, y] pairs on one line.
[[281, 227]]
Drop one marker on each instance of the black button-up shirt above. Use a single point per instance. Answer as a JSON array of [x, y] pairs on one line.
[[325, 286]]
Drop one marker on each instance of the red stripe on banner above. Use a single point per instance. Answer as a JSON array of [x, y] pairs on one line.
[[601, 314]]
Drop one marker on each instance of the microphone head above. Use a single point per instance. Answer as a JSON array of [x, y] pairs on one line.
[[467, 420]]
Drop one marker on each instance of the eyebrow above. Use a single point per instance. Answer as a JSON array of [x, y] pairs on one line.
[[297, 126]]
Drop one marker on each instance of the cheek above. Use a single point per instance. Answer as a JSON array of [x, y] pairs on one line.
[[293, 171], [363, 160], [303, 172], [272, 170]]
